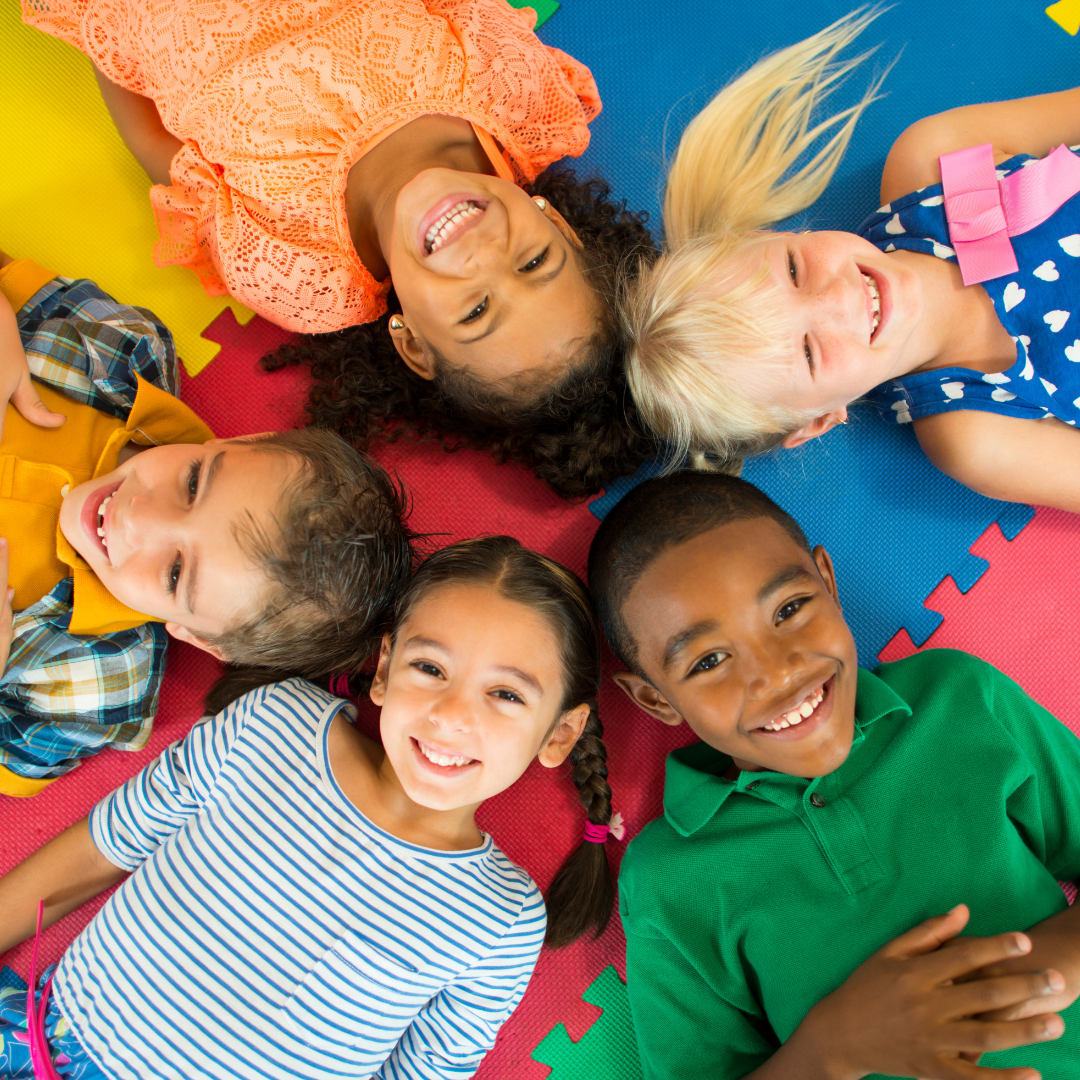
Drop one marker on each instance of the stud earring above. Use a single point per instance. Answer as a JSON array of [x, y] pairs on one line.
[[396, 322], [542, 203]]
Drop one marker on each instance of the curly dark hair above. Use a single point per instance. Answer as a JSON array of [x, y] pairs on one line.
[[577, 434]]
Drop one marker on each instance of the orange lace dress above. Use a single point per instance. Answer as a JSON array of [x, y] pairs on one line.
[[275, 100]]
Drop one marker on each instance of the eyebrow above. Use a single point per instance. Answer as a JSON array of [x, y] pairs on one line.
[[785, 577], [678, 642], [496, 322], [193, 560], [524, 676]]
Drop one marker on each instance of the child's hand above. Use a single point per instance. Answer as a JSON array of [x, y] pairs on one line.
[[1055, 943], [905, 1012], [7, 616], [16, 385]]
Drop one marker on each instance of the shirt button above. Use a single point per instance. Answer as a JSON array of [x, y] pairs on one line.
[[752, 785], [65, 489], [816, 800]]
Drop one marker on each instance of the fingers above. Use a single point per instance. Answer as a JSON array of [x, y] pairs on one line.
[[965, 1071], [1008, 997], [971, 953], [927, 936], [981, 1037], [27, 400]]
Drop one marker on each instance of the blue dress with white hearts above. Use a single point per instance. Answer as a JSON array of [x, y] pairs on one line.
[[1039, 305]]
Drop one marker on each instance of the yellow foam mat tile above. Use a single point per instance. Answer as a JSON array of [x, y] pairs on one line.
[[72, 196]]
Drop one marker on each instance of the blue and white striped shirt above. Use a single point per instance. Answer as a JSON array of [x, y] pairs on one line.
[[270, 930]]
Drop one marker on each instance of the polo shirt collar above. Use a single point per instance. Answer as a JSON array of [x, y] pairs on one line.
[[695, 786]]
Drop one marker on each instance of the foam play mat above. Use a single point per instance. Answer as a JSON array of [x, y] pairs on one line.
[[922, 562]]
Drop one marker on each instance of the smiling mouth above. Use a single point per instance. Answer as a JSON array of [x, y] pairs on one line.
[[450, 222], [875, 302], [101, 521], [94, 514], [803, 711], [446, 761]]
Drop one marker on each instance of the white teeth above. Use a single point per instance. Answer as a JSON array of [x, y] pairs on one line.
[[875, 301], [101, 520], [442, 759], [799, 713], [448, 224]]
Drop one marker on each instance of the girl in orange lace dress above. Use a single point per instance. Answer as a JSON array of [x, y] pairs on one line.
[[308, 153]]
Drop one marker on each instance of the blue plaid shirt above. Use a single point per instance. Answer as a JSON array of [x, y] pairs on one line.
[[63, 696]]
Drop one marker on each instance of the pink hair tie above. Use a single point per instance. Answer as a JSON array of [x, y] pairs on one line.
[[598, 834], [339, 684]]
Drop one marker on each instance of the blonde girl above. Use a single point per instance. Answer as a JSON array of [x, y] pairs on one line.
[[305, 902], [954, 307]]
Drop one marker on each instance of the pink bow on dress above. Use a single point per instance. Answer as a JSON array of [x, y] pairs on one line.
[[984, 212]]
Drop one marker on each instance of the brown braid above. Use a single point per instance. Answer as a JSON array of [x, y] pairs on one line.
[[582, 895]]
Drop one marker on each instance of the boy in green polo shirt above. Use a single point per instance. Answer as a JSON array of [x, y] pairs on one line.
[[797, 911]]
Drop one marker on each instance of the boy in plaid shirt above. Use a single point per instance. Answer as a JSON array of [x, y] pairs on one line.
[[124, 520]]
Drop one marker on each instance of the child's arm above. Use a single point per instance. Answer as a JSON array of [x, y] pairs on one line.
[[898, 1014], [1006, 457], [139, 124], [1032, 125], [66, 872], [15, 383]]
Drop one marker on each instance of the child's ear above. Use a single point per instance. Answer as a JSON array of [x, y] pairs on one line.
[[818, 426], [377, 693], [564, 734], [182, 633], [410, 349], [565, 228], [645, 696], [828, 574]]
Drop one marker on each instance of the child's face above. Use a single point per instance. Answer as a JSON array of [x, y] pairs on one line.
[[503, 295], [837, 347], [740, 633], [170, 548], [470, 695]]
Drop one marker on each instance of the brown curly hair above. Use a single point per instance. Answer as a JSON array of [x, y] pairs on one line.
[[577, 434]]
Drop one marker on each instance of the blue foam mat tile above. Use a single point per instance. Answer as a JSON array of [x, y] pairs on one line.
[[894, 526]]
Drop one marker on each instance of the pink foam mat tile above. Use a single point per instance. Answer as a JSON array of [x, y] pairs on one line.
[[1020, 615]]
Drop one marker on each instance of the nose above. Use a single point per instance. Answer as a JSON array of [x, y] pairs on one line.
[[147, 520], [452, 710], [774, 666]]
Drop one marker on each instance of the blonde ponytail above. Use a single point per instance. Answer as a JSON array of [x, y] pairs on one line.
[[728, 172]]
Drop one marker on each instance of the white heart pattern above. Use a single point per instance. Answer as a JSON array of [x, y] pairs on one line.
[[1028, 370], [1056, 319], [893, 226], [953, 390], [1072, 352], [996, 377], [1013, 295], [1049, 387], [1071, 245], [903, 414], [1002, 395], [934, 200], [943, 251], [1047, 271]]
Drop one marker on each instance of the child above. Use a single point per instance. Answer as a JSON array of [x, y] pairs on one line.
[[124, 519], [956, 302], [784, 917], [308, 903], [307, 154]]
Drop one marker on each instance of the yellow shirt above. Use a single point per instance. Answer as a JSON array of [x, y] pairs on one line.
[[38, 466]]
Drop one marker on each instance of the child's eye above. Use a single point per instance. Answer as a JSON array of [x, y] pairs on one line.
[[791, 608], [791, 267], [809, 355], [172, 579], [193, 480], [476, 311], [707, 663], [534, 264], [428, 668], [509, 695]]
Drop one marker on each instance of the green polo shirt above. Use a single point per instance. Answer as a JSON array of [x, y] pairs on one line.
[[750, 900]]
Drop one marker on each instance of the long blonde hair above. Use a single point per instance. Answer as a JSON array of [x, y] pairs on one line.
[[736, 171]]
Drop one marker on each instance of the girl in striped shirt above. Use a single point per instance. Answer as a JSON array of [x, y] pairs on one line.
[[305, 902]]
